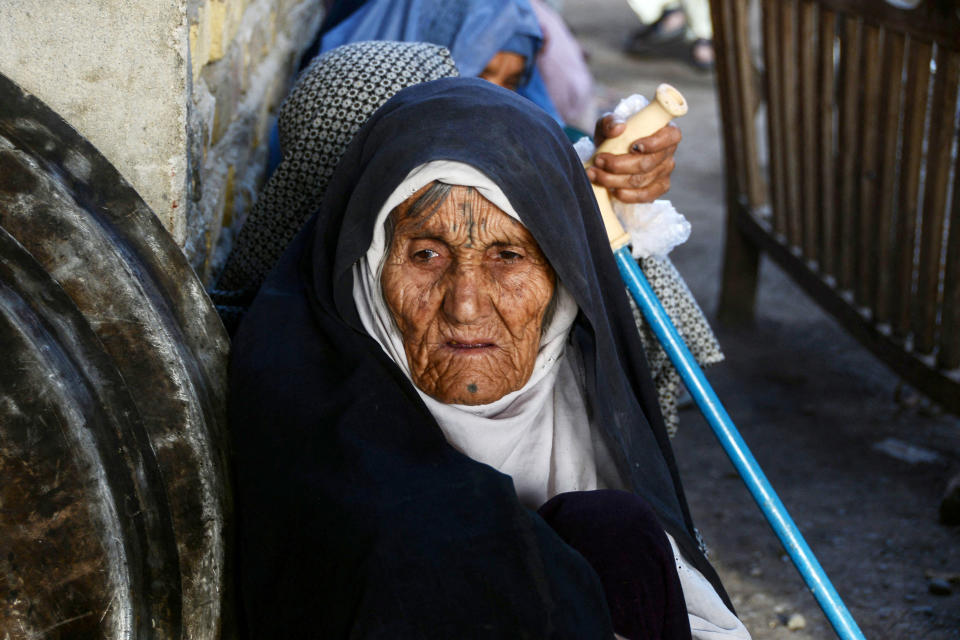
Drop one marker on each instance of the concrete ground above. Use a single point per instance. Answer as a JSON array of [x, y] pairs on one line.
[[860, 462]]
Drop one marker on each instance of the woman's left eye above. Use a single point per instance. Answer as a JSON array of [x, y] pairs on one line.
[[510, 256]]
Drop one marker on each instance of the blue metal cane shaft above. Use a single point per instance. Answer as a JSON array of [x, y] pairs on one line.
[[703, 394]]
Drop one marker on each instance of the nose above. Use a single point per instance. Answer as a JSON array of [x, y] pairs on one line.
[[467, 296]]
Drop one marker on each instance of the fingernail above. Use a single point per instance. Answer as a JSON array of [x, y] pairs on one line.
[[600, 163], [591, 174], [638, 148]]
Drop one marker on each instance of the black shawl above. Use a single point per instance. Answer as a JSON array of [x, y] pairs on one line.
[[356, 517]]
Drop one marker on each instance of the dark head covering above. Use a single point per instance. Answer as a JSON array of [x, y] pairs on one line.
[[356, 515]]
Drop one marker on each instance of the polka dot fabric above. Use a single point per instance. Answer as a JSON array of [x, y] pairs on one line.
[[689, 320]]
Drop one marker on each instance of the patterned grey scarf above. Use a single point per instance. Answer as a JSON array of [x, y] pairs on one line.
[[680, 305]]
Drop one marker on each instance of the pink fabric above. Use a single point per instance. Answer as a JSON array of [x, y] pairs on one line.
[[564, 69]]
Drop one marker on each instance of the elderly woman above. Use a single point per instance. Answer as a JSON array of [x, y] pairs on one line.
[[445, 348], [330, 102]]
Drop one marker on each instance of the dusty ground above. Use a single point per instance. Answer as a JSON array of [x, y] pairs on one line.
[[813, 406]]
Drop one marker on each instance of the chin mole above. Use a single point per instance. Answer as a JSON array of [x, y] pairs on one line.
[[472, 387]]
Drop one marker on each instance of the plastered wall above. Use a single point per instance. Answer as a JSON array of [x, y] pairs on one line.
[[178, 94]]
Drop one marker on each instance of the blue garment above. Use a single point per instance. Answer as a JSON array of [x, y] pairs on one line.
[[472, 30], [535, 90]]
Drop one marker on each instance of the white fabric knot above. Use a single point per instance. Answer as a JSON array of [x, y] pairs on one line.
[[629, 106], [655, 228], [584, 148]]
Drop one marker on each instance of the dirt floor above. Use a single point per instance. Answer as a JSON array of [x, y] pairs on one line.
[[860, 462]]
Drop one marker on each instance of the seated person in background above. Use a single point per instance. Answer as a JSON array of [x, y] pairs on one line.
[[445, 348], [563, 64], [668, 23], [498, 40]]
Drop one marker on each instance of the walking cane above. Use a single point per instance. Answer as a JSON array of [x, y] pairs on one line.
[[668, 104]]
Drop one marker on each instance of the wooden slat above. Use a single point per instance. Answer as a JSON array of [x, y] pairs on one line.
[[721, 46], [747, 99], [869, 161], [939, 142], [732, 119], [771, 57], [849, 138], [890, 112], [826, 72], [741, 257], [789, 152], [741, 261], [807, 50], [915, 106], [725, 82], [948, 355]]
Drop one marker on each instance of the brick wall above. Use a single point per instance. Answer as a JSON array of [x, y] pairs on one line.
[[241, 68]]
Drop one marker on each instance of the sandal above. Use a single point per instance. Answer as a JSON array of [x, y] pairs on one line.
[[652, 37], [701, 54]]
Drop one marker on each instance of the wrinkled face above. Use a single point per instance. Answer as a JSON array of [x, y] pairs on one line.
[[468, 288], [505, 69]]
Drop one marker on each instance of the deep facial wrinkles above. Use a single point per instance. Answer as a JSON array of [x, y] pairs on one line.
[[471, 224], [468, 289]]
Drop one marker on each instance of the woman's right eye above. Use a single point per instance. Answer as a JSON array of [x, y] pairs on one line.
[[425, 255]]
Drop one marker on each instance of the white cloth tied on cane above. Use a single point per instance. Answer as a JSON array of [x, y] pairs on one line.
[[655, 228]]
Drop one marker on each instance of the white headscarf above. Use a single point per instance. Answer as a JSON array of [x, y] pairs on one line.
[[540, 434]]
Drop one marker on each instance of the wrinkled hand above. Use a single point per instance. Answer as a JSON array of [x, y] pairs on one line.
[[643, 174]]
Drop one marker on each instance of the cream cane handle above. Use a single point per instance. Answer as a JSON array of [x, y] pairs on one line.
[[667, 105]]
